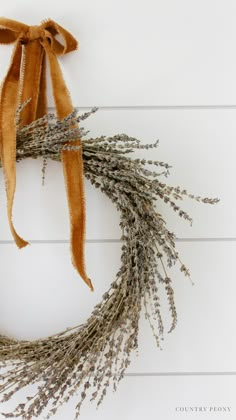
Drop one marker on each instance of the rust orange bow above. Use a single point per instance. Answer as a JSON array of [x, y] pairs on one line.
[[26, 79]]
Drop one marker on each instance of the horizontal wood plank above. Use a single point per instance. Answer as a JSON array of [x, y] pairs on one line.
[[198, 144], [142, 53], [41, 294], [169, 398]]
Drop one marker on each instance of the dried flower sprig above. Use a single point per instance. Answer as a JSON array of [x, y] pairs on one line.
[[94, 356]]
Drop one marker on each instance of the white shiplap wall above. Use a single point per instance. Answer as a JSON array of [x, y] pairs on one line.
[[157, 69]]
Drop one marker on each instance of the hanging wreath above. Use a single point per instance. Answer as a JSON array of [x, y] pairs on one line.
[[89, 358]]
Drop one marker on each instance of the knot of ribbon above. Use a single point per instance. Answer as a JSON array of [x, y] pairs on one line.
[[26, 79]]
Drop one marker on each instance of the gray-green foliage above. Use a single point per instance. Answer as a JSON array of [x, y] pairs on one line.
[[94, 356]]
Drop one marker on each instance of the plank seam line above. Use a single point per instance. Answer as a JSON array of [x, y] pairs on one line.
[[114, 241], [180, 374], [154, 107]]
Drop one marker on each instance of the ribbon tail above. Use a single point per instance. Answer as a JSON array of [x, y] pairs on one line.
[[73, 170], [42, 98], [33, 61], [73, 173], [8, 106]]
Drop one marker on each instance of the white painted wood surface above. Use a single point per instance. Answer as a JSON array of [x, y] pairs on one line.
[[159, 70], [48, 297], [193, 142], [163, 397], [144, 53]]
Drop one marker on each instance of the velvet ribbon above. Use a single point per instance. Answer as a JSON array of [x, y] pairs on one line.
[[26, 79]]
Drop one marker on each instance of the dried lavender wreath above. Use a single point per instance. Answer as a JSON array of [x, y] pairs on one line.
[[89, 358]]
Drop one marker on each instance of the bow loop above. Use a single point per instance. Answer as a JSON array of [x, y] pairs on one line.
[[28, 81], [11, 30], [13, 26], [7, 36], [70, 43]]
